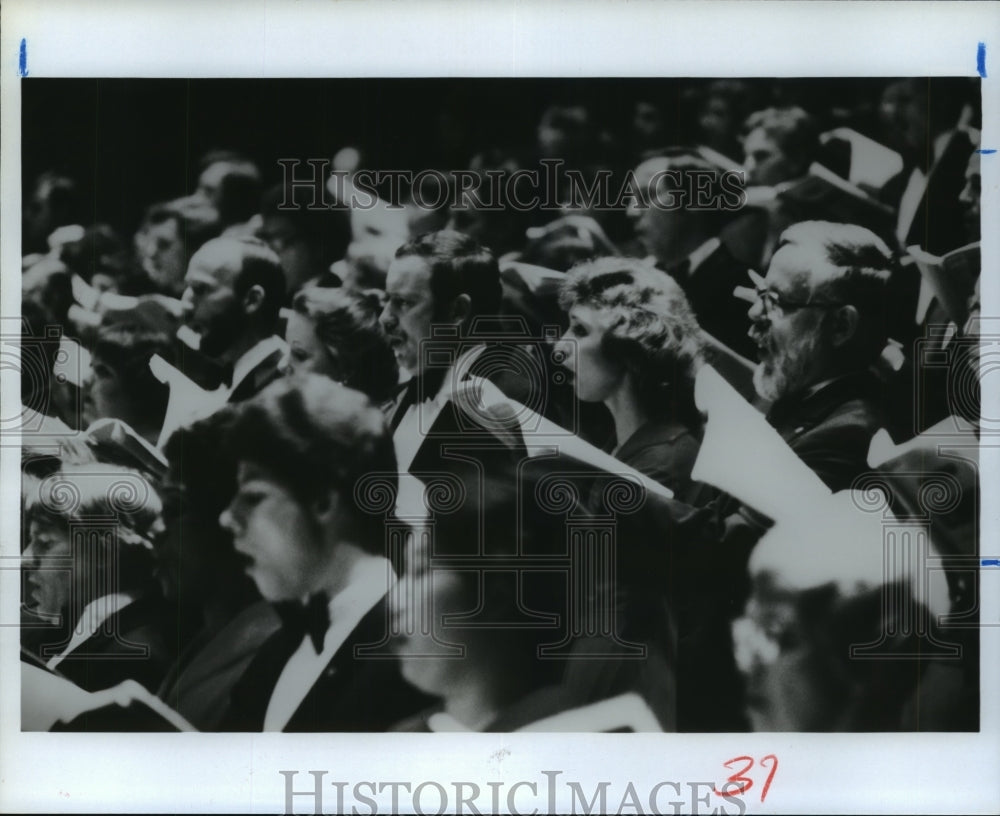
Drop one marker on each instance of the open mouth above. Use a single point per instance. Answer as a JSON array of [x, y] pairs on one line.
[[244, 560], [760, 339]]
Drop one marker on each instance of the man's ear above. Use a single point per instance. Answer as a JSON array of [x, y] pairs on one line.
[[461, 308], [253, 299], [844, 325]]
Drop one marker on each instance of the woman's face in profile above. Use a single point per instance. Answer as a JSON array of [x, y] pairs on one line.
[[275, 532], [107, 394], [305, 351], [595, 376]]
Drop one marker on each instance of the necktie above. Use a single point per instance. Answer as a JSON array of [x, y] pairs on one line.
[[311, 618]]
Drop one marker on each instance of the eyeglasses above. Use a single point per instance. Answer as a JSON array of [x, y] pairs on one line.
[[776, 303]]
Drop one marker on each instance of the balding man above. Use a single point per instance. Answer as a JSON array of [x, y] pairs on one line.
[[235, 288], [819, 324]]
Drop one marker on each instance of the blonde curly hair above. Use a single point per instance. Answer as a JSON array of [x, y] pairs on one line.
[[650, 327]]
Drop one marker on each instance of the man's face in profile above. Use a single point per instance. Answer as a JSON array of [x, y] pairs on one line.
[[409, 310], [163, 256], [656, 217], [787, 326], [765, 162], [210, 182], [214, 310]]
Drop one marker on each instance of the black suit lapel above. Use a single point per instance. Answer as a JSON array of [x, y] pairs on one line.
[[356, 692], [938, 226], [252, 692], [262, 375]]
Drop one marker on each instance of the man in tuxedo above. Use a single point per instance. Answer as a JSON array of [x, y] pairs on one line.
[[684, 240], [819, 324], [442, 289], [921, 120], [235, 288], [314, 543]]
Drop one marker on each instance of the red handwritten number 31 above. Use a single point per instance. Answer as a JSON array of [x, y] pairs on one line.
[[744, 783]]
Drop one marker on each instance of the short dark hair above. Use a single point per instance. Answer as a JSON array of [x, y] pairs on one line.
[[347, 323], [693, 168], [794, 131], [195, 225], [128, 348], [205, 466], [239, 191], [314, 434], [260, 266], [459, 266]]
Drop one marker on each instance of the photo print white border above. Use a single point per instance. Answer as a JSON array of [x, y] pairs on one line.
[[891, 773]]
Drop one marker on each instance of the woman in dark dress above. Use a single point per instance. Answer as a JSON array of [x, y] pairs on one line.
[[633, 343]]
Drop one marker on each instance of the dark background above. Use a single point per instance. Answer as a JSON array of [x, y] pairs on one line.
[[132, 142]]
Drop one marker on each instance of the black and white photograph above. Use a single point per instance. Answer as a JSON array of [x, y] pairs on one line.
[[375, 414]]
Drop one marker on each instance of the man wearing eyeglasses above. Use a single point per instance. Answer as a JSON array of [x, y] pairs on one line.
[[819, 320]]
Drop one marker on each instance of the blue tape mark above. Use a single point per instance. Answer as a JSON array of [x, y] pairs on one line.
[[22, 60], [980, 59], [991, 562], [987, 152]]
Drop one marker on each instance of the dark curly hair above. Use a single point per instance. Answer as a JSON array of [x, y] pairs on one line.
[[313, 434], [347, 325]]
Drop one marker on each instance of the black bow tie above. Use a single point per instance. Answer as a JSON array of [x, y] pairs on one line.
[[421, 388], [311, 618]]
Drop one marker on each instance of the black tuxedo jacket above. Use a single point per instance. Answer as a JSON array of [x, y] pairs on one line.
[[354, 693], [939, 225], [832, 429], [104, 660], [259, 377]]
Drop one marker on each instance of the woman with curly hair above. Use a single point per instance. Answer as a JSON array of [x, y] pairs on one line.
[[633, 343], [337, 333]]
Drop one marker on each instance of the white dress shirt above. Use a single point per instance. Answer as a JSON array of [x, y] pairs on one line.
[[409, 436], [916, 185], [369, 581]]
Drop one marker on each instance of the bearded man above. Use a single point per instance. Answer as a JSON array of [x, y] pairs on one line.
[[819, 323], [235, 288]]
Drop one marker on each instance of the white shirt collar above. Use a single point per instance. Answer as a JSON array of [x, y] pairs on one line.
[[91, 619], [370, 579], [254, 357]]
